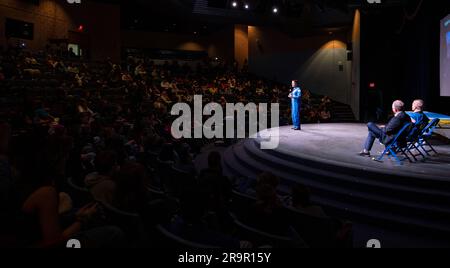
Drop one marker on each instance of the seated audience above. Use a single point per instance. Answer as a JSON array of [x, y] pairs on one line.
[[185, 161], [218, 187], [268, 214], [54, 134], [38, 202], [101, 183], [325, 114], [130, 192], [213, 181], [192, 225], [301, 201]]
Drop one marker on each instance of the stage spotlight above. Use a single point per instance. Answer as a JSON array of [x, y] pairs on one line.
[[246, 6], [275, 10], [234, 4]]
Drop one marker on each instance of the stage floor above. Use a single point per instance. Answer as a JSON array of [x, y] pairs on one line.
[[339, 144]]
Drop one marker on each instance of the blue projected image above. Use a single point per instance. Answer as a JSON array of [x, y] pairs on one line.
[[447, 23], [448, 45], [445, 57]]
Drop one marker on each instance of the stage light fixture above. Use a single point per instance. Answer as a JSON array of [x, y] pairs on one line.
[[247, 6], [234, 4], [275, 10]]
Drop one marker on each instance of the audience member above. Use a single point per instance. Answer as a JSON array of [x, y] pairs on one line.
[[301, 200], [101, 183], [267, 214]]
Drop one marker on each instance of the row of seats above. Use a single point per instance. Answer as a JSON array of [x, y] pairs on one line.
[[308, 231]]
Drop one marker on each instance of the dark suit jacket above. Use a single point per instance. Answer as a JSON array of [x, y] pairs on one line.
[[394, 126]]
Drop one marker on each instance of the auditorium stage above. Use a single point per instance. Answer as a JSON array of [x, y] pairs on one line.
[[324, 157], [338, 144]]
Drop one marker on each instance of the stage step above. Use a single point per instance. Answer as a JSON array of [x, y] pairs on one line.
[[387, 201], [330, 185], [327, 175], [439, 188], [342, 113]]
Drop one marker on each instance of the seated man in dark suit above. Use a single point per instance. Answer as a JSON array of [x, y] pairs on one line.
[[387, 134], [418, 117]]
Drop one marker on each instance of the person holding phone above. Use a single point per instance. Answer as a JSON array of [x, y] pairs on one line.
[[38, 222]]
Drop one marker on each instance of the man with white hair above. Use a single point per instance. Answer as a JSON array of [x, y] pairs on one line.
[[387, 133], [418, 117]]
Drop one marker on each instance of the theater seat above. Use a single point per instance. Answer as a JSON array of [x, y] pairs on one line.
[[317, 232], [130, 223], [80, 195], [170, 240], [263, 239], [240, 202]]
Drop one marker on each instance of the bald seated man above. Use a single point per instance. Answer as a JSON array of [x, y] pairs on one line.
[[386, 134], [418, 117]]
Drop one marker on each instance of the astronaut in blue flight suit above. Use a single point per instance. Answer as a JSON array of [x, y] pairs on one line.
[[296, 97]]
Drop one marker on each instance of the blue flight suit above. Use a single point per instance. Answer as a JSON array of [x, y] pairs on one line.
[[420, 118], [296, 105]]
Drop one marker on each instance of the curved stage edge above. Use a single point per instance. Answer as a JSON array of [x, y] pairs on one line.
[[324, 157]]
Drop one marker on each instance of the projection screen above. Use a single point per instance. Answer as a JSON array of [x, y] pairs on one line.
[[445, 57]]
